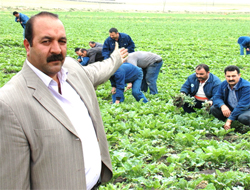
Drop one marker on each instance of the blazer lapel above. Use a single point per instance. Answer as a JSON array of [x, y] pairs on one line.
[[73, 80], [46, 99]]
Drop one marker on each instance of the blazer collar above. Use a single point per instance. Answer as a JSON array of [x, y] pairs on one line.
[[45, 98]]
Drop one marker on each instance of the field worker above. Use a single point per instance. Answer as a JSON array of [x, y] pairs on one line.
[[22, 18], [93, 44], [231, 102], [78, 52], [127, 73], [123, 40], [244, 42], [52, 134], [202, 85], [151, 64], [94, 54], [81, 59]]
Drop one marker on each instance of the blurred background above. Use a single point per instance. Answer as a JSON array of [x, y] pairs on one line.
[[133, 5]]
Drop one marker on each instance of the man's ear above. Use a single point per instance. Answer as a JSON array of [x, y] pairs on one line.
[[27, 46]]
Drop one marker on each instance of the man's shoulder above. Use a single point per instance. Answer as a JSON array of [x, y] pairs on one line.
[[94, 49], [12, 87], [244, 83], [71, 64], [123, 35], [192, 76], [214, 78]]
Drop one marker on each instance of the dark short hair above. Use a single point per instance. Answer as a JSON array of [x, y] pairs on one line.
[[83, 50], [113, 30], [202, 66], [232, 68], [29, 25], [77, 49], [14, 13], [91, 42]]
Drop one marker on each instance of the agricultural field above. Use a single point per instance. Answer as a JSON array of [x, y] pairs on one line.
[[156, 145]]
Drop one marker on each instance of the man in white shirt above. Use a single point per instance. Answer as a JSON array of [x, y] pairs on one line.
[[202, 85], [52, 135]]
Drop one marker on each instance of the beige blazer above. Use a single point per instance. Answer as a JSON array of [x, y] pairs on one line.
[[39, 147]]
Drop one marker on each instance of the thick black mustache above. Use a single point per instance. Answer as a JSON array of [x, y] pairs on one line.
[[58, 57], [231, 80]]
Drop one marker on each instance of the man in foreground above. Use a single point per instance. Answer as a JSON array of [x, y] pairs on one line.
[[202, 85], [232, 100], [52, 135], [22, 18], [123, 40], [151, 65]]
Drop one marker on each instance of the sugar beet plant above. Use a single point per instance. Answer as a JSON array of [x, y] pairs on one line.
[[156, 145]]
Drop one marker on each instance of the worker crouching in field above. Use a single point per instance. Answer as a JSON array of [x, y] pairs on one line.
[[202, 85], [127, 73], [232, 100]]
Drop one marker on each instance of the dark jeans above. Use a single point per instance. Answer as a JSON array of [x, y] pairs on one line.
[[150, 75], [189, 109], [242, 50], [243, 118]]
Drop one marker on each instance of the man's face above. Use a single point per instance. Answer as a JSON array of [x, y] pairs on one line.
[[79, 53], [114, 36], [201, 74], [232, 77], [49, 47], [91, 45], [84, 54], [16, 15]]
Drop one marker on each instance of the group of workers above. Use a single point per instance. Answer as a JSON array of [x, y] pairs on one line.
[[140, 72], [229, 100]]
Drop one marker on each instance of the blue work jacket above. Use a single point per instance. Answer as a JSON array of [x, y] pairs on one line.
[[123, 41], [242, 92], [244, 41], [22, 18], [126, 73], [191, 86]]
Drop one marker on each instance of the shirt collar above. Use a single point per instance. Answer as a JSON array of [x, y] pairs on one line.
[[235, 86], [62, 74]]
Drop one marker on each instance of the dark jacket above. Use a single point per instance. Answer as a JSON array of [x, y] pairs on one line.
[[123, 41], [22, 19], [191, 86], [94, 54], [242, 92], [244, 41], [125, 74]]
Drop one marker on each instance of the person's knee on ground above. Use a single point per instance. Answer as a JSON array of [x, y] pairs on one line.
[[216, 112], [245, 119]]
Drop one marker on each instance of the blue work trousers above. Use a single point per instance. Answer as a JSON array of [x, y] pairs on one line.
[[242, 118], [150, 75], [242, 50]]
